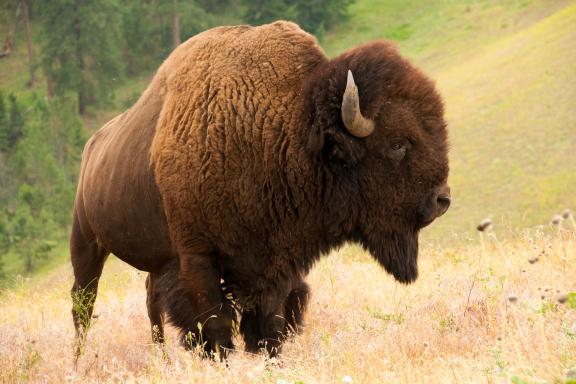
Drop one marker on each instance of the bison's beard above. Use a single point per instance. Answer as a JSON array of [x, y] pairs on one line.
[[397, 253]]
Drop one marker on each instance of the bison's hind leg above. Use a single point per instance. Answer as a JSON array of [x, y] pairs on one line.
[[295, 307], [155, 311], [87, 261]]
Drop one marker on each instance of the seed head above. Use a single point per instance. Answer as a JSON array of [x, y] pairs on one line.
[[566, 214], [533, 260], [562, 298], [347, 379], [484, 225], [512, 298], [571, 374], [556, 220]]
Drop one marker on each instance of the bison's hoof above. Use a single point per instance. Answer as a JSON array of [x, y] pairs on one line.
[[211, 349], [212, 344]]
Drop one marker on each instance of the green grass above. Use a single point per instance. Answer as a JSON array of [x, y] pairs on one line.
[[14, 266], [512, 116], [436, 33]]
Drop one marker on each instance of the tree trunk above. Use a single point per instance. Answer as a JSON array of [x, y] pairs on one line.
[[81, 90], [175, 25], [29, 265], [81, 102], [50, 86], [7, 47], [24, 5], [9, 41]]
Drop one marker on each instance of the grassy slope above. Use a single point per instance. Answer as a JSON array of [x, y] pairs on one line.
[[437, 33], [512, 113]]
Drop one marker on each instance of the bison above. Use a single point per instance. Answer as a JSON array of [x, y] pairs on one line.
[[249, 156]]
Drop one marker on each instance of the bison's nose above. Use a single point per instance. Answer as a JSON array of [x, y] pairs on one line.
[[442, 200], [436, 205]]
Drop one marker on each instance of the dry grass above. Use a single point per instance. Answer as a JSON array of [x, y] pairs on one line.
[[455, 324]]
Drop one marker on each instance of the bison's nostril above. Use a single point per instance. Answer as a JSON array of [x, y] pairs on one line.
[[443, 202]]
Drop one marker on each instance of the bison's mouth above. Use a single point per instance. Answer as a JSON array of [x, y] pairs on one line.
[[425, 223], [397, 252]]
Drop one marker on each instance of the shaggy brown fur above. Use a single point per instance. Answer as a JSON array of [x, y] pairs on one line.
[[233, 173]]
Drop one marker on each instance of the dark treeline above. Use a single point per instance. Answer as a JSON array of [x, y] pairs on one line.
[[78, 53]]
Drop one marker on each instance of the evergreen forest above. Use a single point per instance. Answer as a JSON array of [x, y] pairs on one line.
[[66, 67]]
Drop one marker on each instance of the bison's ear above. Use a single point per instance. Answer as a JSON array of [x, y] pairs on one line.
[[337, 148]]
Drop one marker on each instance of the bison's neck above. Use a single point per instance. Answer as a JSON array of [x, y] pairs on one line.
[[308, 200]]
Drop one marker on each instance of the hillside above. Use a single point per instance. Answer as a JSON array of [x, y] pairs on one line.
[[505, 70], [511, 111]]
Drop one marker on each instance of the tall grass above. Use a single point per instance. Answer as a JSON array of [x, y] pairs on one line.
[[476, 314]]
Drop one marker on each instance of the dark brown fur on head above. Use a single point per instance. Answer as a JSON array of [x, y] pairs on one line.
[[388, 197]]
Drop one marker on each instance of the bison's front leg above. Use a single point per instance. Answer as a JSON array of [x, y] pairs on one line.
[[269, 329], [263, 330], [295, 307], [196, 305]]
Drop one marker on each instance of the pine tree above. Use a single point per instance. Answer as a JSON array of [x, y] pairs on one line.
[[3, 124], [81, 51], [318, 16], [259, 12], [11, 123], [26, 21], [315, 16], [176, 34], [141, 40], [149, 29]]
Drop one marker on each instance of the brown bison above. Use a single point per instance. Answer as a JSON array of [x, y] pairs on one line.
[[249, 156]]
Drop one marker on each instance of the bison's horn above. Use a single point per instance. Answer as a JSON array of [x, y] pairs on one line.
[[356, 124]]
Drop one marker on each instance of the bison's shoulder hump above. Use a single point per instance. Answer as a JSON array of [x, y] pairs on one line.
[[243, 51]]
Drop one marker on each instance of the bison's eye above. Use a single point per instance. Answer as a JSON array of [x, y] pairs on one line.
[[397, 151]]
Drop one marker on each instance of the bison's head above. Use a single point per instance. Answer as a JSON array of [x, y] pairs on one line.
[[381, 135]]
